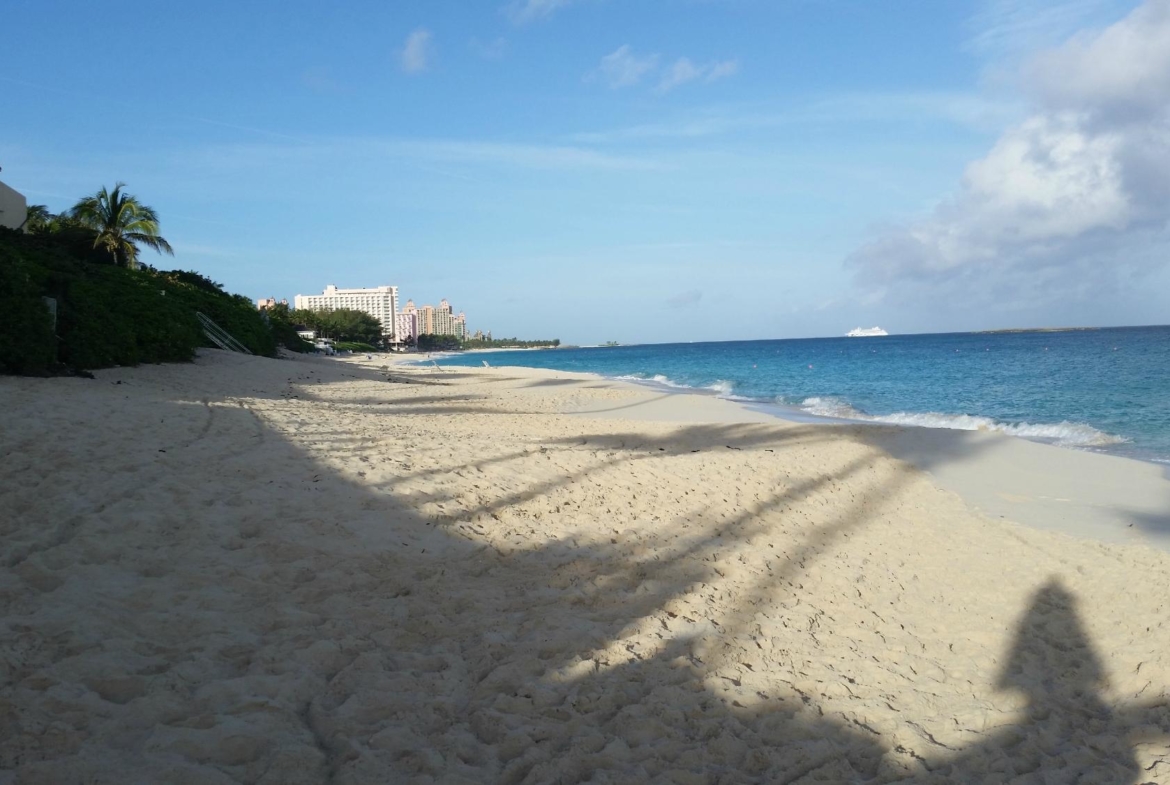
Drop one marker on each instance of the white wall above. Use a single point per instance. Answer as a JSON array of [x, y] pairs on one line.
[[13, 207]]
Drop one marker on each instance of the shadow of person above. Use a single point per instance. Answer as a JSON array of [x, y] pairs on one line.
[[1068, 733]]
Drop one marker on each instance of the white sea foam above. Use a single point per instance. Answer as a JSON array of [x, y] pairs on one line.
[[722, 388], [1067, 434]]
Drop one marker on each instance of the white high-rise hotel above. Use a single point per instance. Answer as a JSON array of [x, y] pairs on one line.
[[380, 302]]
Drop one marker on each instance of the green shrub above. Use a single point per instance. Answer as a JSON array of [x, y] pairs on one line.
[[115, 316], [284, 331], [108, 315], [286, 335], [27, 343], [355, 346], [235, 314]]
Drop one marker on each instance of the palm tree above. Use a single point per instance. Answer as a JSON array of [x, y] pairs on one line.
[[36, 218], [121, 222]]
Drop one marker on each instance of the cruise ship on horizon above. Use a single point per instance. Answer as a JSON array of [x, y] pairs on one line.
[[865, 332]]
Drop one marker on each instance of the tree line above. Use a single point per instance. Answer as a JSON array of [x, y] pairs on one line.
[[342, 324], [509, 343], [452, 343]]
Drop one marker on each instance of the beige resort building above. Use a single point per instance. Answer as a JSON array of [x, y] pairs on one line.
[[437, 320], [380, 302]]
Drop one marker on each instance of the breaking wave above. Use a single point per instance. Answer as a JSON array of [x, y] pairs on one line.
[[721, 388], [1066, 434]]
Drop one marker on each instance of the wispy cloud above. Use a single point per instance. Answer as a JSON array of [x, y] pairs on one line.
[[532, 156], [692, 127], [722, 69], [622, 68], [237, 127], [417, 52], [1008, 28], [522, 11], [321, 80], [964, 109], [683, 71], [335, 152], [490, 50]]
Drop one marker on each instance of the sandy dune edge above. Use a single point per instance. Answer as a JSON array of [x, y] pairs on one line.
[[273, 571]]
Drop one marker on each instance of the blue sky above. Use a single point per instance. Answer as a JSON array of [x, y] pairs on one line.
[[622, 169]]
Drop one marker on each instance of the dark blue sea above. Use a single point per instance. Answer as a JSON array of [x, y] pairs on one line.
[[1098, 389]]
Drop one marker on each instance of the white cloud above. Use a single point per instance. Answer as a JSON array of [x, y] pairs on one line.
[[490, 50], [622, 68], [417, 52], [683, 71], [1119, 74], [680, 73], [521, 11], [722, 69], [1080, 190]]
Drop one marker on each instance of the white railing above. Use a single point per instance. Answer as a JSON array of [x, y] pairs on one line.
[[219, 336]]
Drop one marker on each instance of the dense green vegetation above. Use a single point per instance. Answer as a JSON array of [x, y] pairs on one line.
[[342, 324], [508, 343], [449, 343], [106, 314], [284, 328], [438, 343], [355, 346], [27, 344], [356, 331]]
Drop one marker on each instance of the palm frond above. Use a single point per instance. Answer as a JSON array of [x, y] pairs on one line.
[[152, 240]]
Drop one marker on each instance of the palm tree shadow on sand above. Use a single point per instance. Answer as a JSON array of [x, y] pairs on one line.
[[1067, 734], [364, 642], [538, 715]]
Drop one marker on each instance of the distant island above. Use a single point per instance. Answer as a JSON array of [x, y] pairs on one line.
[[1036, 330], [451, 343]]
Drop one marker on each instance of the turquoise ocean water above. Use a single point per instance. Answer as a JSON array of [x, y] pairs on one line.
[[1102, 389]]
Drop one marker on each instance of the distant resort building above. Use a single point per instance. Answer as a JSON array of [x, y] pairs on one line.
[[398, 327], [380, 302], [266, 303], [13, 208], [408, 324], [440, 320]]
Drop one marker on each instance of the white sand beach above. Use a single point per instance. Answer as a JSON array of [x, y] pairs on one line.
[[308, 570]]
